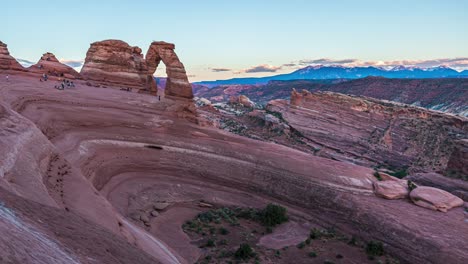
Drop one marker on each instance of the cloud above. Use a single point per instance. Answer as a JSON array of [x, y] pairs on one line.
[[262, 68], [220, 70], [72, 63], [326, 61], [191, 76], [457, 63], [289, 65], [25, 63]]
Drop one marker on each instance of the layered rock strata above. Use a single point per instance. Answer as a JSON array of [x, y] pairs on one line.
[[375, 133], [114, 62], [51, 66], [7, 62]]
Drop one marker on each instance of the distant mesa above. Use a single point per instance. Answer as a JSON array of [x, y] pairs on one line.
[[117, 63], [7, 62]]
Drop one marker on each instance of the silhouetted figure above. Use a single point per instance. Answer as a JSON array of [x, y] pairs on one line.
[[7, 77], [159, 98]]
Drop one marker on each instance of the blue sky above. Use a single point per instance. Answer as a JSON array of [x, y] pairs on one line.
[[222, 39]]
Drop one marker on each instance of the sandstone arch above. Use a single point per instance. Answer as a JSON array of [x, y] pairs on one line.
[[177, 82]]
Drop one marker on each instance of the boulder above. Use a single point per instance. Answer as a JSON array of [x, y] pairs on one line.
[[160, 206], [457, 187], [154, 213], [242, 100], [435, 199], [391, 189], [144, 218], [245, 101]]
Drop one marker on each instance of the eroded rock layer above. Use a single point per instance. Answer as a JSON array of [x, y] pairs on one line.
[[457, 166], [114, 62], [177, 83], [7, 62], [118, 155], [51, 66], [373, 132]]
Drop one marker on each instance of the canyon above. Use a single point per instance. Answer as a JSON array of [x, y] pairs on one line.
[[94, 173]]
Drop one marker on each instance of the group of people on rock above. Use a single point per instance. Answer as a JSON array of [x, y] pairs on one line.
[[65, 84], [126, 89], [44, 78]]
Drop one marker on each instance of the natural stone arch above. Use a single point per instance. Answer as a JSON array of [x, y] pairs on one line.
[[177, 82]]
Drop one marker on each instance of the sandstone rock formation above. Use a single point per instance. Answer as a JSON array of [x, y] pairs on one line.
[[177, 83], [391, 189], [456, 187], [50, 65], [242, 100], [444, 94], [7, 62], [435, 199], [110, 154], [372, 132], [114, 62]]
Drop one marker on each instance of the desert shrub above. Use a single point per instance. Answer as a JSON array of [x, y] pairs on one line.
[[301, 245], [352, 241], [328, 262], [377, 175], [223, 231], [374, 248], [400, 173], [273, 215], [210, 243], [277, 253], [411, 186], [312, 254], [316, 233], [244, 252]]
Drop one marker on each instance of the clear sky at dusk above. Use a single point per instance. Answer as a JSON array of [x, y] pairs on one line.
[[224, 39]]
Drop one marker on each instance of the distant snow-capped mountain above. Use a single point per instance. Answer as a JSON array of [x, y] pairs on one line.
[[320, 72]]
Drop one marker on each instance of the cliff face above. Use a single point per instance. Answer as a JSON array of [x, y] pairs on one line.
[[7, 62], [448, 95], [457, 166], [114, 62], [373, 133]]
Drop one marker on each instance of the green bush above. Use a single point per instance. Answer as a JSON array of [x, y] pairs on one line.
[[244, 251], [411, 186], [312, 254], [400, 173], [374, 248], [223, 231], [273, 215], [210, 243], [377, 175], [301, 245]]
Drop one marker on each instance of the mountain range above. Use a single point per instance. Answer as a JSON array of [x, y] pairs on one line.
[[321, 72]]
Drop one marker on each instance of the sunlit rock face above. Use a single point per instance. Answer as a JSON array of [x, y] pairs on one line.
[[114, 62], [7, 62]]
